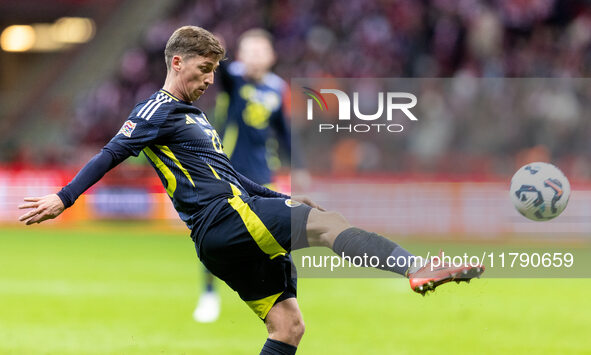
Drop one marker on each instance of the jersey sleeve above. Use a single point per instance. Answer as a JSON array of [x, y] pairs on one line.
[[225, 76], [136, 134], [92, 172]]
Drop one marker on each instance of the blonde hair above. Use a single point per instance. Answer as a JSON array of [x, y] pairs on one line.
[[189, 41]]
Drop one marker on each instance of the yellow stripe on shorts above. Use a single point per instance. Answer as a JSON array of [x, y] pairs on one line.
[[263, 306], [255, 227]]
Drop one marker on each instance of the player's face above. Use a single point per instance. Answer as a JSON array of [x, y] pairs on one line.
[[195, 76], [257, 55]]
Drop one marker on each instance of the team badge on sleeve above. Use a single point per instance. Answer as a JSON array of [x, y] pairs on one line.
[[127, 128]]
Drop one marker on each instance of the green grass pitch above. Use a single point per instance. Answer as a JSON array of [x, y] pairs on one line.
[[124, 288]]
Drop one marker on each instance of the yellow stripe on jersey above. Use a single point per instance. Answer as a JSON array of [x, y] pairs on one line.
[[235, 190], [263, 306], [215, 172], [255, 226], [169, 95], [171, 180], [172, 157]]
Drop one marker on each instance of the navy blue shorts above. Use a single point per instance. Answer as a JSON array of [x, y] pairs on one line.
[[248, 247]]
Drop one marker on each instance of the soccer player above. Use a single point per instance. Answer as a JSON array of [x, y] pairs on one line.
[[243, 232], [250, 108]]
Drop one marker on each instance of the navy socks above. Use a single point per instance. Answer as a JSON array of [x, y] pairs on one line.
[[276, 347], [355, 242]]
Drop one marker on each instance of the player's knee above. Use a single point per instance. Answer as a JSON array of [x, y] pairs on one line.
[[297, 330], [290, 331], [300, 330], [324, 226], [285, 322]]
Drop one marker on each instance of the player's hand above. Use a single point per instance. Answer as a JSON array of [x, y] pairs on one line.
[[307, 200], [44, 208]]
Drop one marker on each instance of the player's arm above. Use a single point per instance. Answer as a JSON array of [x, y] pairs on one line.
[[222, 120], [109, 157], [255, 189], [224, 123], [135, 134], [225, 76], [222, 73], [51, 206]]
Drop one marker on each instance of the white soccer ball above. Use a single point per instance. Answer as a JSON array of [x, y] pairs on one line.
[[540, 191]]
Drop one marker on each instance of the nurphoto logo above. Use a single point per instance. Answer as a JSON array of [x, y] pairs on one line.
[[402, 101]]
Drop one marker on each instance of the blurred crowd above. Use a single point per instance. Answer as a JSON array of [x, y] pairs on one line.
[[456, 39]]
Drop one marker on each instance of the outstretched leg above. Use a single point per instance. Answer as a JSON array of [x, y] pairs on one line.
[[332, 230]]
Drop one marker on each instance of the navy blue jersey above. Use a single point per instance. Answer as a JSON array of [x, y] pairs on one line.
[[185, 151], [253, 111]]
